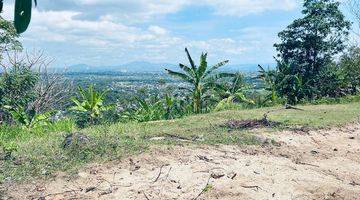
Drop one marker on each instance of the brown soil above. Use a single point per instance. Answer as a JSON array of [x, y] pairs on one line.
[[321, 164]]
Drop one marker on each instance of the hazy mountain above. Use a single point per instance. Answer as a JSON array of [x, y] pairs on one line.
[[141, 66]]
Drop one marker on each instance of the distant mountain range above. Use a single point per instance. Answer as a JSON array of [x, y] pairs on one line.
[[148, 67]]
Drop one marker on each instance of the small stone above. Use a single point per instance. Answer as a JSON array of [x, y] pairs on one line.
[[44, 172], [217, 174], [82, 175]]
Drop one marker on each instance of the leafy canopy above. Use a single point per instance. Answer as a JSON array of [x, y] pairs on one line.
[[310, 43]]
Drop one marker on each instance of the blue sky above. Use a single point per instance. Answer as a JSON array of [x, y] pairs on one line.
[[113, 32]]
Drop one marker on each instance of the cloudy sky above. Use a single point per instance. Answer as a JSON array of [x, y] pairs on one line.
[[112, 32]]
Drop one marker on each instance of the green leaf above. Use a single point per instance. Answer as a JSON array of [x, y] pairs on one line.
[[180, 75], [187, 69], [193, 66], [203, 65], [22, 15], [215, 67], [1, 5]]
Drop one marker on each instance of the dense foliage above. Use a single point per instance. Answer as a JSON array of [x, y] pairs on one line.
[[308, 46]]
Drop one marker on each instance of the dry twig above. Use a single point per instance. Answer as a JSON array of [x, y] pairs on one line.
[[204, 189]]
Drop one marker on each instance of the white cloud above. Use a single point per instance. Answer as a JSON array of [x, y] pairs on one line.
[[158, 30], [121, 29], [128, 11], [245, 7]]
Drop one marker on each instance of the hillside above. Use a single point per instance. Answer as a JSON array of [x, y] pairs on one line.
[[298, 148]]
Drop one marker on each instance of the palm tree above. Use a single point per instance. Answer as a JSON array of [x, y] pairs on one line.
[[199, 77]]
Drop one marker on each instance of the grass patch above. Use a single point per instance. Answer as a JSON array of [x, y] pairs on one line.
[[39, 154]]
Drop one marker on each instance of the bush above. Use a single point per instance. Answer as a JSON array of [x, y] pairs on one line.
[[17, 85], [89, 107], [17, 89]]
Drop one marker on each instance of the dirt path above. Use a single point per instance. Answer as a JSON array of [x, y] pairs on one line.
[[323, 164]]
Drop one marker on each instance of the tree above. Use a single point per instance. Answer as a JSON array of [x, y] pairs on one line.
[[22, 14], [282, 81], [310, 43], [199, 77], [8, 37], [22, 87], [18, 85], [350, 65]]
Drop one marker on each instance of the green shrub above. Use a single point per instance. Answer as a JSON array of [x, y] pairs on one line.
[[89, 106]]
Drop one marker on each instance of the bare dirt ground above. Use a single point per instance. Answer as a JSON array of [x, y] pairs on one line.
[[320, 164]]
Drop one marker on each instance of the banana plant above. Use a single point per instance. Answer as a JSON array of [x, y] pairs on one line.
[[233, 91], [90, 103], [269, 78], [22, 14], [199, 77], [28, 119], [169, 107]]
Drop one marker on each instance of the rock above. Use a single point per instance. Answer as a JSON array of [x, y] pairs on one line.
[[205, 158], [216, 174], [75, 138], [44, 172], [83, 175], [90, 189]]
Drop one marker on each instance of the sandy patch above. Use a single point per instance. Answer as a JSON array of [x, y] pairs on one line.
[[322, 164]]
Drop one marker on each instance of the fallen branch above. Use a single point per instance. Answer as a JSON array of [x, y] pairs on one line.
[[167, 175], [251, 187], [158, 176], [302, 163], [353, 183]]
